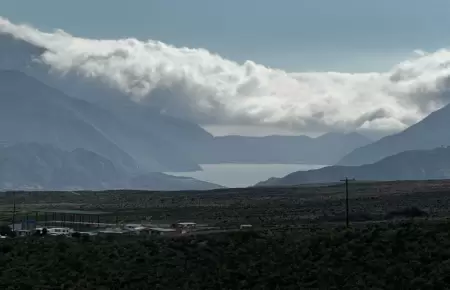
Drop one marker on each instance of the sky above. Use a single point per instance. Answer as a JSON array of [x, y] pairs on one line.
[[293, 36]]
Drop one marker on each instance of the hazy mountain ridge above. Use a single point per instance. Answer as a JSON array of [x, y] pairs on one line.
[[36, 166], [41, 166], [71, 112], [429, 133], [325, 149], [171, 143], [158, 140], [33, 112], [408, 165]]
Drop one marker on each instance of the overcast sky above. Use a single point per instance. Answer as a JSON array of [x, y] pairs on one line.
[[296, 35], [292, 35]]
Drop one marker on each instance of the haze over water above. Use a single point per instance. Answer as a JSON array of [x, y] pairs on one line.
[[243, 175]]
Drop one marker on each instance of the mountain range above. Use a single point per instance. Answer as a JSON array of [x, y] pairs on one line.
[[429, 133], [407, 165], [73, 114], [418, 152], [70, 112], [34, 166]]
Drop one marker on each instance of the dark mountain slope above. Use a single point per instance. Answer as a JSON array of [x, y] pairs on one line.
[[39, 166], [44, 167], [33, 112], [409, 165], [163, 139], [429, 133]]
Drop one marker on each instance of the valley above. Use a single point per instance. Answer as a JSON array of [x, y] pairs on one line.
[[224, 146], [261, 207], [396, 229]]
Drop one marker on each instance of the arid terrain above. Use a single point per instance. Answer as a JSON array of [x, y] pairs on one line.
[[398, 239], [258, 206]]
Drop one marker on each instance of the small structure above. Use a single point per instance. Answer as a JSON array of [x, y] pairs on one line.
[[63, 231], [136, 229], [79, 219], [24, 233], [184, 227], [21, 229], [17, 227]]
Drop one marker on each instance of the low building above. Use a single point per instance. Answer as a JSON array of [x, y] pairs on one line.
[[24, 233], [55, 231], [186, 225], [17, 227]]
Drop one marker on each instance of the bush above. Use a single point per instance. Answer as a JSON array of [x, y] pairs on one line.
[[410, 212], [393, 256], [5, 230], [85, 238], [76, 235]]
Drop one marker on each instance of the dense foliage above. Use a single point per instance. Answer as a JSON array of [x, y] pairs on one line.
[[407, 256]]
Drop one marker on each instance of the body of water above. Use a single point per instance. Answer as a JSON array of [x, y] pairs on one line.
[[243, 175]]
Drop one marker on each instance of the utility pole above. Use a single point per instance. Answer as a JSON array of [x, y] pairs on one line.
[[346, 200], [14, 212]]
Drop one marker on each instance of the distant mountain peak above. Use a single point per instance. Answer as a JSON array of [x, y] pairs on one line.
[[408, 165], [431, 132]]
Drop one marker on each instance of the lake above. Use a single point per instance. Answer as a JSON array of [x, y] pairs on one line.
[[243, 175]]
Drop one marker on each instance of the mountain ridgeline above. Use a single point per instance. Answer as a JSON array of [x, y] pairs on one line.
[[408, 165], [33, 166], [138, 141], [73, 114], [431, 132]]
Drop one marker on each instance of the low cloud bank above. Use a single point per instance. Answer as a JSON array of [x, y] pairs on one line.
[[209, 89]]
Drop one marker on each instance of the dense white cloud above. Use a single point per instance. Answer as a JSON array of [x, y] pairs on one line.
[[210, 89]]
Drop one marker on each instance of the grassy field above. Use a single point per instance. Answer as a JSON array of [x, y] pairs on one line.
[[258, 206]]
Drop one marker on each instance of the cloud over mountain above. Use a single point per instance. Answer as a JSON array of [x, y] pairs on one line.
[[209, 89]]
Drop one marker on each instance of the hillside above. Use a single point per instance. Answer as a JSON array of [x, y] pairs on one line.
[[409, 165], [158, 142], [39, 166], [31, 111], [429, 133]]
